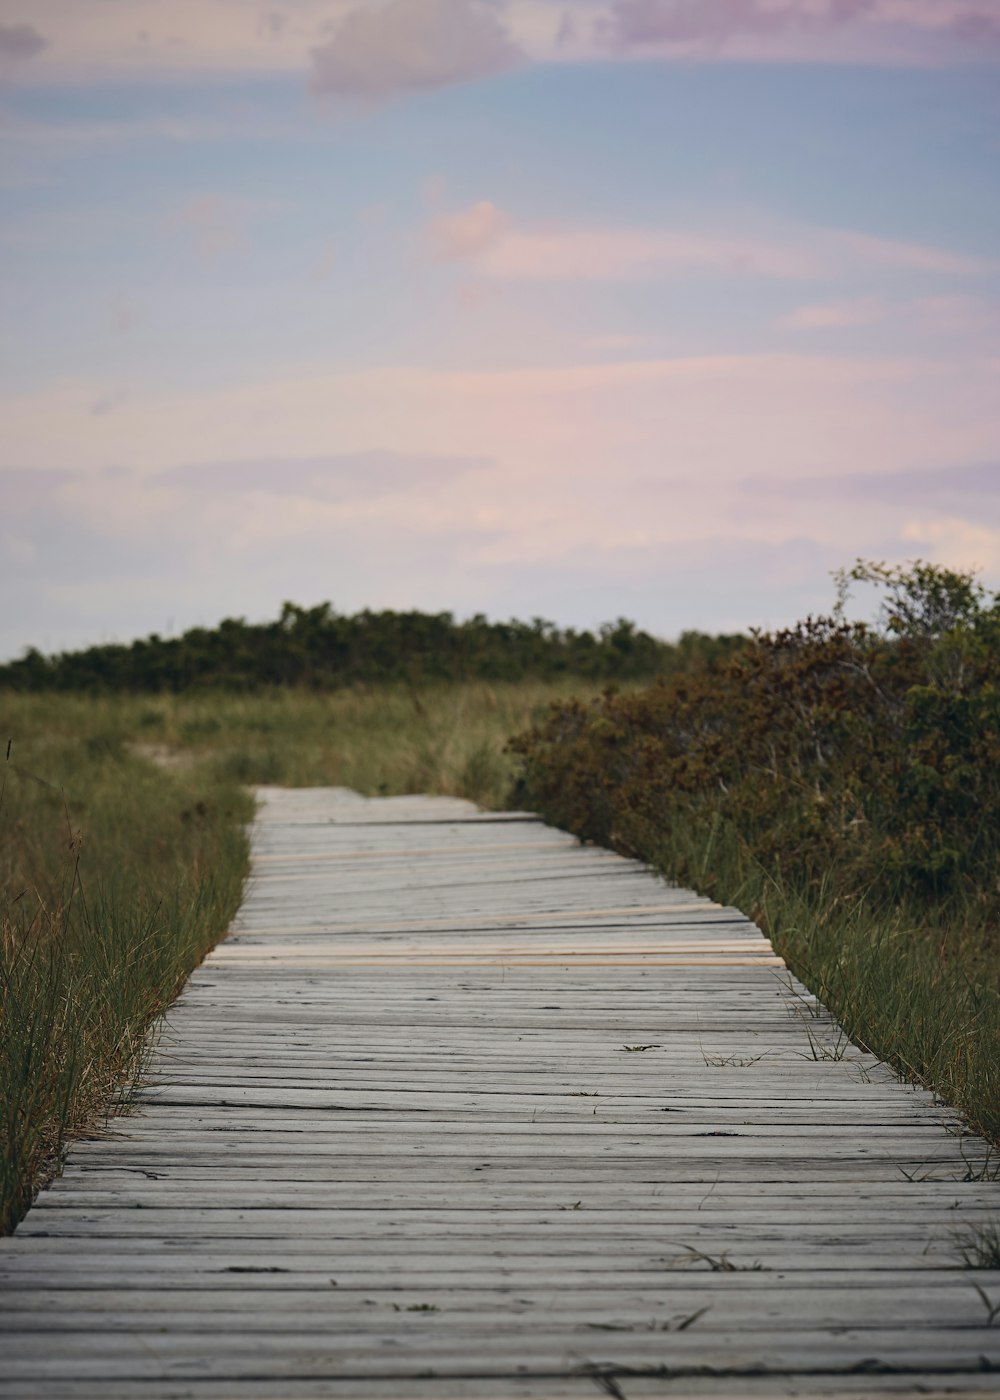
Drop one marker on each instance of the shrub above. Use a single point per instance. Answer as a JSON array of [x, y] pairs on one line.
[[841, 761]]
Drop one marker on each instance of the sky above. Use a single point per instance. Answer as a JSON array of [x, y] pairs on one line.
[[575, 309]]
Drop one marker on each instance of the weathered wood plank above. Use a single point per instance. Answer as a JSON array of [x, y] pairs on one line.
[[474, 1100]]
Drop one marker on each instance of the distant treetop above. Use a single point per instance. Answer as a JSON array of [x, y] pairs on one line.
[[320, 648]]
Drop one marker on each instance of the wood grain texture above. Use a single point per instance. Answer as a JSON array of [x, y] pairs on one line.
[[461, 1108]]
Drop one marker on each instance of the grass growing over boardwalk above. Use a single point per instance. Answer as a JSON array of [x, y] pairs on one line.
[[841, 784]]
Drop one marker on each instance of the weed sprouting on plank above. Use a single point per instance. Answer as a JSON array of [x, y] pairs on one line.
[[603, 1376], [674, 1324], [978, 1247], [992, 1309], [984, 1166], [839, 1050], [717, 1263], [734, 1061]]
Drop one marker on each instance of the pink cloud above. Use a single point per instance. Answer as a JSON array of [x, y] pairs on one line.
[[694, 21], [405, 46], [467, 232], [376, 49], [483, 235], [915, 256], [836, 315], [617, 254], [615, 343], [958, 315], [219, 225], [577, 450], [19, 42], [344, 477], [324, 264], [803, 29], [213, 225], [978, 28]]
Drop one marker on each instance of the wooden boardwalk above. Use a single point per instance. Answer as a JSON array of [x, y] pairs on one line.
[[463, 1109]]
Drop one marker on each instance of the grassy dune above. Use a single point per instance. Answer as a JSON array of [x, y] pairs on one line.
[[447, 739]]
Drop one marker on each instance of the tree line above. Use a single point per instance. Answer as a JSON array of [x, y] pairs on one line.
[[318, 647]]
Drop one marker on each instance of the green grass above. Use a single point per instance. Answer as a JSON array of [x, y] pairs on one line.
[[116, 879], [123, 854], [447, 739], [918, 992], [978, 1247], [122, 867]]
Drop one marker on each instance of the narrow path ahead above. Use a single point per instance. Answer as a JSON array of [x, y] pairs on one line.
[[463, 1109]]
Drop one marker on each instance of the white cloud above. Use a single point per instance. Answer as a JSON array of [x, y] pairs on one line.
[[403, 46], [956, 543]]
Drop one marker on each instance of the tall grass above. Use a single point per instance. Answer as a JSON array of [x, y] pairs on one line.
[[115, 879], [914, 985], [123, 852], [448, 739]]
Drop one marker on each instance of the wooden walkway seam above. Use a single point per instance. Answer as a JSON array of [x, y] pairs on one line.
[[464, 1110]]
